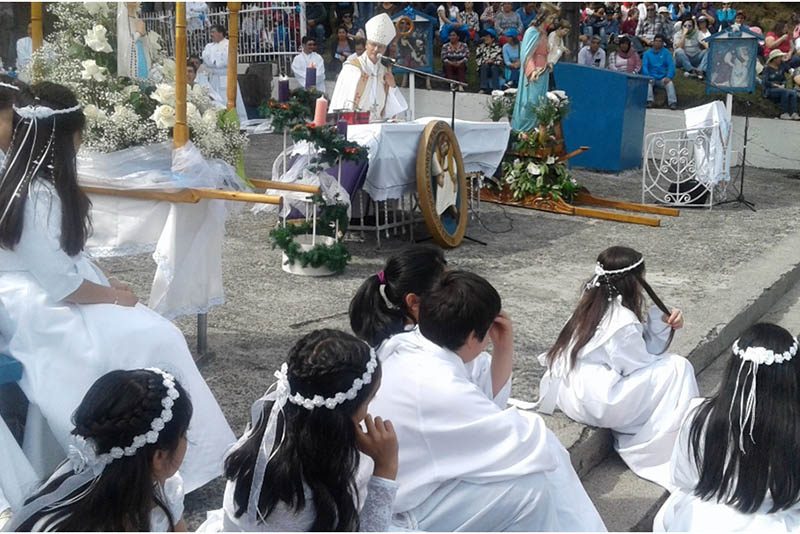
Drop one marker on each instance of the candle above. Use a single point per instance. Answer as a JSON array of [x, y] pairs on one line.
[[283, 89], [321, 111], [311, 76], [341, 127]]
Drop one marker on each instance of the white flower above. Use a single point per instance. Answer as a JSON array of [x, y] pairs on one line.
[[164, 94], [116, 453], [192, 114], [94, 113], [157, 424], [81, 454], [534, 169], [210, 117], [151, 436], [552, 97], [498, 93], [551, 160], [164, 116], [91, 70], [168, 69], [154, 40], [96, 39], [139, 441], [96, 8]]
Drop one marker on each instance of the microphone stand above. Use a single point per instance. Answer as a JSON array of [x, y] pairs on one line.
[[454, 85]]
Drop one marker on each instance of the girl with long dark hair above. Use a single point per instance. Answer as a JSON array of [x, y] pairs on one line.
[[121, 474], [735, 463], [9, 91], [60, 315], [296, 466], [609, 366], [388, 302]]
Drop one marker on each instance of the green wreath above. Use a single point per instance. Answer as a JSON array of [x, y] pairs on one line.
[[330, 144]]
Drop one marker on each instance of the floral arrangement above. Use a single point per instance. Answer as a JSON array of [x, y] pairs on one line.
[[334, 257], [123, 112], [285, 115], [536, 169], [501, 104], [330, 144]]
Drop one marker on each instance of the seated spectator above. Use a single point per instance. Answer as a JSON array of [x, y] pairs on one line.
[[657, 63], [796, 31], [342, 47], [702, 29], [454, 59], [774, 83], [625, 59], [706, 9], [470, 19], [527, 13], [506, 20], [739, 22], [354, 29], [725, 16], [779, 39], [487, 16], [309, 57], [555, 42], [596, 24], [664, 24], [631, 23], [511, 59], [614, 24], [359, 45], [649, 27], [592, 54], [489, 58], [690, 51], [680, 10], [316, 16], [449, 21]]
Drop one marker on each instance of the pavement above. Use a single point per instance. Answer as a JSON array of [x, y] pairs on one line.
[[723, 267]]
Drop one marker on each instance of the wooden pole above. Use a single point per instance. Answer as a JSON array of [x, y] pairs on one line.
[[37, 34], [180, 134], [233, 53]]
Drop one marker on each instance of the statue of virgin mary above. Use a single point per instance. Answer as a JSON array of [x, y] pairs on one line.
[[133, 54]]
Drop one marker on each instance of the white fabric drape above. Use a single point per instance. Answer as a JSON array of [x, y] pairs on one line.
[[711, 155]]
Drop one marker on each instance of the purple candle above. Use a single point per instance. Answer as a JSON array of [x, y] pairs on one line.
[[341, 127], [311, 77], [283, 90]]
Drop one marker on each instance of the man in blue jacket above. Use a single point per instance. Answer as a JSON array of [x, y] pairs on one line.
[[657, 63]]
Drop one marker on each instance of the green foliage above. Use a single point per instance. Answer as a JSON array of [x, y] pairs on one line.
[[330, 144], [499, 107], [285, 114]]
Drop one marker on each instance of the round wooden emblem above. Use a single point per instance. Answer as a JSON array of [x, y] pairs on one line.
[[442, 184], [404, 26]]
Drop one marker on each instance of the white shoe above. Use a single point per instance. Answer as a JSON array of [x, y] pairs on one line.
[[785, 116], [687, 74], [796, 116]]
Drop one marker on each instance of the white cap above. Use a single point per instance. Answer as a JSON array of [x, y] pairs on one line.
[[380, 29]]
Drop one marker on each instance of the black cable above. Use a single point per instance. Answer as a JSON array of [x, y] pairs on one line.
[[477, 216]]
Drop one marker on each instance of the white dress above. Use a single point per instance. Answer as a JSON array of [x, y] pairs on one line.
[[65, 347], [361, 87], [685, 512], [619, 382], [466, 463], [215, 61], [375, 514]]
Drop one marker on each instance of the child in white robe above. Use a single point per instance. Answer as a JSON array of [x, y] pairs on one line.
[[608, 367], [387, 303], [60, 316], [296, 467], [122, 471], [735, 464], [467, 462]]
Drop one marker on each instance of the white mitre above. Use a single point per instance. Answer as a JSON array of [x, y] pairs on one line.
[[380, 29]]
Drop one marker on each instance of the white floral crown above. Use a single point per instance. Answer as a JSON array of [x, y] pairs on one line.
[[600, 271], [83, 451], [764, 356], [9, 86], [42, 112], [318, 401]]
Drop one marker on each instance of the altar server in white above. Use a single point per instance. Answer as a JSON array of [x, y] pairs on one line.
[[365, 84], [466, 462], [215, 60], [735, 464], [59, 314], [309, 57], [609, 367]]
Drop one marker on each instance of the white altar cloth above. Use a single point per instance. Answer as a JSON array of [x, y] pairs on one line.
[[185, 239], [393, 151]]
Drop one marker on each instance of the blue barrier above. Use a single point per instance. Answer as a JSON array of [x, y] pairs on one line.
[[607, 111]]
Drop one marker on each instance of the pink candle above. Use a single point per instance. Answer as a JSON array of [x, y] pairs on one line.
[[321, 111]]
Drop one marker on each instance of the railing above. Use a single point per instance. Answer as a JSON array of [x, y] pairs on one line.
[[267, 30]]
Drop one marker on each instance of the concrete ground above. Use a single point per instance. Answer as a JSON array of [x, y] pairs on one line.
[[724, 267]]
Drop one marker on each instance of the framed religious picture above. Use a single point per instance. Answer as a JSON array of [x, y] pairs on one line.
[[442, 184], [732, 58], [413, 46]]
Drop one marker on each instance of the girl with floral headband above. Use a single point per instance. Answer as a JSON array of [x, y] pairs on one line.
[[303, 463], [121, 473], [609, 366], [388, 302], [735, 463], [60, 315]]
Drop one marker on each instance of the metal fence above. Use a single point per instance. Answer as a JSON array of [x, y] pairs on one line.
[[268, 31]]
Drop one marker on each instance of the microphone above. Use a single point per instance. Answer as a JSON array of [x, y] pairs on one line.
[[387, 61]]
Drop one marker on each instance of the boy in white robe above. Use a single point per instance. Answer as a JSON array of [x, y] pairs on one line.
[[365, 84], [215, 60], [308, 58], [467, 463]]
